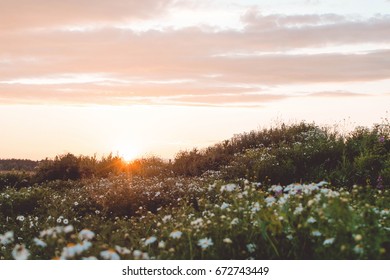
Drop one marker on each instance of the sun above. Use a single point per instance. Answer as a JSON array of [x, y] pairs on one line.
[[128, 152]]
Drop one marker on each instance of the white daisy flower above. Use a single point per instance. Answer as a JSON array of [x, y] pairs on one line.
[[137, 254], [109, 255], [86, 234], [227, 240], [316, 233], [161, 244], [166, 218], [224, 205], [20, 218], [122, 250], [204, 243], [251, 247], [176, 234], [228, 187], [68, 229], [91, 258], [329, 241], [270, 200], [20, 252], [39, 242], [7, 238], [150, 240]]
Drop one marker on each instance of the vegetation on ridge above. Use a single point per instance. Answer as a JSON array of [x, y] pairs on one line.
[[291, 192]]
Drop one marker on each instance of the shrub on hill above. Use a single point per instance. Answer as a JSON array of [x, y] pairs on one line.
[[296, 153]]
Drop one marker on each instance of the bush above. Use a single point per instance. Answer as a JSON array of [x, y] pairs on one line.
[[23, 201], [14, 179], [64, 167], [69, 167]]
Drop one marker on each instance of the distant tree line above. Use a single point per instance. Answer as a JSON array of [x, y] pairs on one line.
[[18, 164]]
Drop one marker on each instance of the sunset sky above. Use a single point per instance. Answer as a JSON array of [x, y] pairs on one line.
[[157, 76]]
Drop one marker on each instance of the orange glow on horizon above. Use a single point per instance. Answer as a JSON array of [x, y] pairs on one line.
[[128, 152]]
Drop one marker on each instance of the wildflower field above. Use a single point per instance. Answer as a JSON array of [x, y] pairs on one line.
[[292, 192]]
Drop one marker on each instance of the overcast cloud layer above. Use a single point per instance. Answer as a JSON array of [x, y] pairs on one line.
[[93, 52]]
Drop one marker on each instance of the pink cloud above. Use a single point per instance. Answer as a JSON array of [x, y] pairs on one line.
[[195, 65], [23, 14]]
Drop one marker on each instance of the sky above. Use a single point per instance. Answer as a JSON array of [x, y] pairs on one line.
[[152, 77]]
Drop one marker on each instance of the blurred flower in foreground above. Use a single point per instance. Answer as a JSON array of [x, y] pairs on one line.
[[39, 242], [227, 240], [109, 255], [175, 234], [150, 240], [329, 241], [86, 234], [7, 238], [20, 252]]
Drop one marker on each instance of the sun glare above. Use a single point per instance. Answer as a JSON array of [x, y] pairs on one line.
[[128, 152]]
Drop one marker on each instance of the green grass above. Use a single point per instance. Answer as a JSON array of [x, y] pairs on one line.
[[241, 221], [233, 209]]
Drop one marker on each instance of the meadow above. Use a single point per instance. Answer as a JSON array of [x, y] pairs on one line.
[[294, 191]]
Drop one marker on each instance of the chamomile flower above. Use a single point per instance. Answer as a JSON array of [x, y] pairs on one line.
[[204, 243], [20, 218], [270, 200], [358, 237], [224, 205], [7, 238], [91, 258], [137, 254], [150, 240], [176, 234], [20, 252], [251, 247], [39, 242], [298, 210], [316, 233], [122, 250], [255, 208], [329, 241], [358, 249], [161, 244], [198, 223], [109, 255], [68, 229], [228, 187], [166, 218], [86, 234], [227, 240]]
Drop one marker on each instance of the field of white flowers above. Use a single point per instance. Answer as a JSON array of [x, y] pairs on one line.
[[237, 199], [205, 217]]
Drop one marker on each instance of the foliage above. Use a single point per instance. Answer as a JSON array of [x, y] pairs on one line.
[[297, 153], [231, 220], [14, 179], [239, 199]]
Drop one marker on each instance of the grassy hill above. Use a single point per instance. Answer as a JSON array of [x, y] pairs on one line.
[[290, 192]]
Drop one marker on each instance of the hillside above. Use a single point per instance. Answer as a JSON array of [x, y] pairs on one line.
[[290, 192]]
